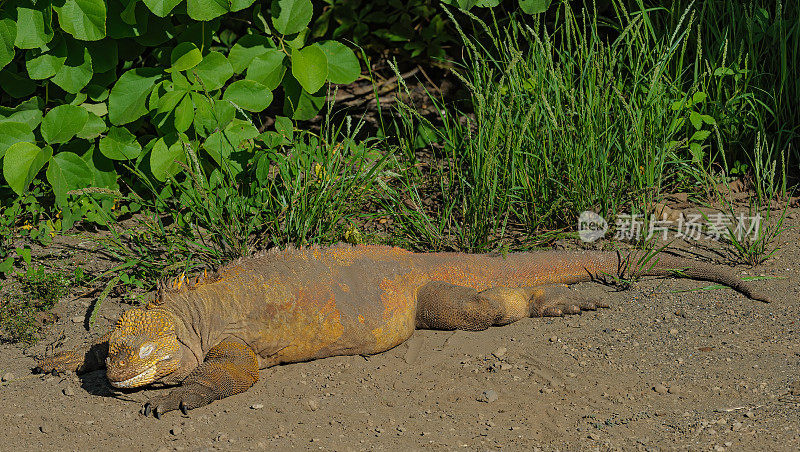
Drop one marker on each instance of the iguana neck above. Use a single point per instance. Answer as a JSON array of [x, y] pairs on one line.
[[189, 320]]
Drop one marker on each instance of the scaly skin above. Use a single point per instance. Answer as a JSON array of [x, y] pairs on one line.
[[211, 337]]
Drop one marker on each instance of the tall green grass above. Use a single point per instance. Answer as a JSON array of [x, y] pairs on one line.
[[758, 42], [561, 120]]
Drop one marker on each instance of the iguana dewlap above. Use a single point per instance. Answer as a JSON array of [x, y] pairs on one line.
[[211, 337]]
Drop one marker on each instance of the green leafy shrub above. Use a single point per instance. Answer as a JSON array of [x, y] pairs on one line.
[[91, 82]]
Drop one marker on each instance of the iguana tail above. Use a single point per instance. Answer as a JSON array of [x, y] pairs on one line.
[[668, 265]]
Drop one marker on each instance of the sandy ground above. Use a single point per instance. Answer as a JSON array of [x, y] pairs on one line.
[[659, 370]]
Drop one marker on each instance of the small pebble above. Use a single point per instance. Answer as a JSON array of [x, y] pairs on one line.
[[546, 390], [499, 353], [8, 376], [256, 406], [175, 431], [553, 338], [312, 404], [77, 319], [68, 391], [44, 429], [673, 331], [749, 415], [661, 389], [719, 448], [487, 396]]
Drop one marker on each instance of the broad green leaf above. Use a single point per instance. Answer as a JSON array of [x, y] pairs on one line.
[[45, 63], [247, 48], [84, 19], [248, 95], [76, 71], [126, 102], [291, 16], [63, 122], [213, 71], [699, 97], [465, 5], [22, 163], [27, 112], [185, 56], [700, 135], [169, 100], [238, 5], [104, 54], [220, 145], [67, 171], [76, 99], [100, 109], [165, 153], [204, 10], [696, 119], [120, 144], [35, 33], [12, 133], [534, 6], [343, 66], [161, 7], [697, 152], [310, 67], [103, 168], [8, 34], [708, 119], [299, 39], [93, 128], [184, 114], [180, 82], [285, 127], [15, 84], [268, 68], [299, 104], [208, 118]]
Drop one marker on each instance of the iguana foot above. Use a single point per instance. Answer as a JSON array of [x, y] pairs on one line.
[[557, 301], [184, 398], [61, 363], [76, 360]]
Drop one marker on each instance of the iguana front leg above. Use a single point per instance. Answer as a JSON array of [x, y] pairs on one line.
[[229, 368], [76, 360]]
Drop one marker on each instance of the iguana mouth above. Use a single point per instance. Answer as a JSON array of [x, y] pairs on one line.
[[140, 379]]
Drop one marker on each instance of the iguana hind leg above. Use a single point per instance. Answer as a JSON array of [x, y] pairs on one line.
[[445, 306], [229, 368]]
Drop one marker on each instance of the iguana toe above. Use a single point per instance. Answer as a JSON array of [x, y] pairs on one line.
[[183, 398]]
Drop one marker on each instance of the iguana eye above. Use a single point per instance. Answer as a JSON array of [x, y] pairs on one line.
[[145, 351]]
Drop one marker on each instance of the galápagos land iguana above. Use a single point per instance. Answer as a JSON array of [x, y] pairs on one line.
[[211, 336]]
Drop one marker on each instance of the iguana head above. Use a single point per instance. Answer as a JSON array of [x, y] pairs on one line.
[[142, 349]]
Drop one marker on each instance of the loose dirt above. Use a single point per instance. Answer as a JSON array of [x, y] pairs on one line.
[[662, 369]]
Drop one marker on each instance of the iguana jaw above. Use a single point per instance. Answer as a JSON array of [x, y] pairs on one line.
[[146, 377]]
